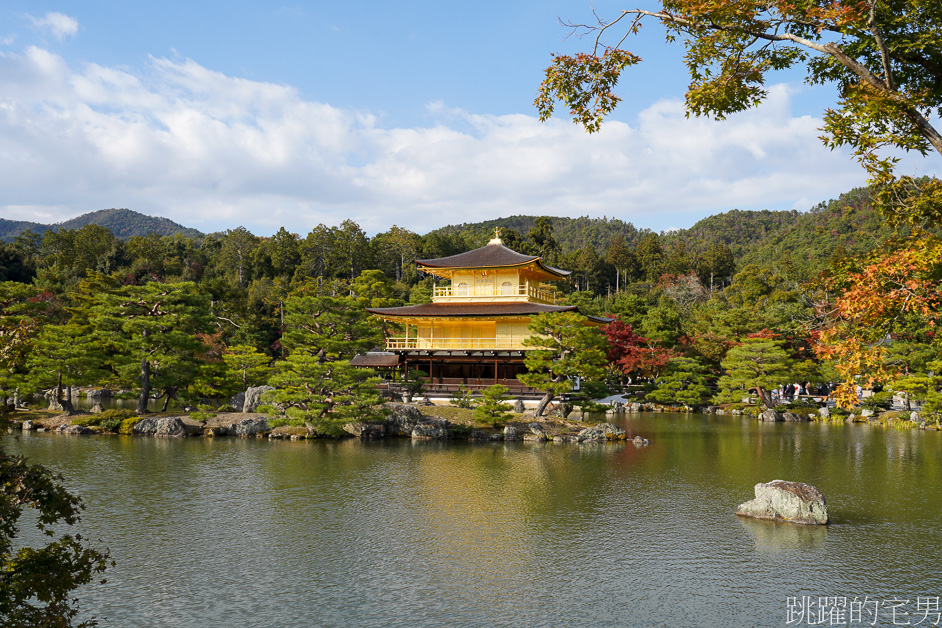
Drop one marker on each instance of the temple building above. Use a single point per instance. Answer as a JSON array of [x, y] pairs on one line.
[[471, 334]]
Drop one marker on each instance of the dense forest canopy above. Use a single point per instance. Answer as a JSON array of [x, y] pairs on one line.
[[683, 299]]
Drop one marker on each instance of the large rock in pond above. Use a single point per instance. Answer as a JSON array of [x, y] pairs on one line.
[[771, 416], [431, 429], [794, 418], [612, 432], [592, 434], [510, 433], [780, 500], [253, 397], [165, 426], [402, 418], [251, 427], [75, 429], [365, 430], [538, 430]]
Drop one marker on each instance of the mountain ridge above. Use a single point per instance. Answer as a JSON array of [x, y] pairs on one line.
[[123, 223]]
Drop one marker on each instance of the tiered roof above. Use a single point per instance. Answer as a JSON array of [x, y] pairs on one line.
[[492, 255]]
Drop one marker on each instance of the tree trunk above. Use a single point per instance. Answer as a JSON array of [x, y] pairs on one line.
[[145, 387], [170, 392], [541, 408], [65, 402], [765, 398]]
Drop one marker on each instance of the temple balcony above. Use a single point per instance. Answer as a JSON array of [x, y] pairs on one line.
[[505, 343], [492, 293]]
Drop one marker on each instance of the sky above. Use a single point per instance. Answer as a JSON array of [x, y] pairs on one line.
[[414, 113]]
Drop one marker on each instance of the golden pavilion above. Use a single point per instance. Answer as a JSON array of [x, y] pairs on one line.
[[471, 334]]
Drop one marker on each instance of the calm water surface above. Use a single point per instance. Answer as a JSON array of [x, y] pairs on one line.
[[230, 532]]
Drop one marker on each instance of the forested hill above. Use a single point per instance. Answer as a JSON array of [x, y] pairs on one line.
[[570, 233], [123, 223], [847, 225]]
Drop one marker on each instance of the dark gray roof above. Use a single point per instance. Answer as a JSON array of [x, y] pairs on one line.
[[375, 359], [490, 256]]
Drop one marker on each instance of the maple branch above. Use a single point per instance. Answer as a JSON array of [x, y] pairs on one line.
[[884, 87], [884, 51]]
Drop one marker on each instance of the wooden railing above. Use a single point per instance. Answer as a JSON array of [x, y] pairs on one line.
[[522, 290], [446, 344]]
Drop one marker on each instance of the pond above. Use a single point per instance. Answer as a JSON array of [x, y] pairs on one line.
[[229, 532]]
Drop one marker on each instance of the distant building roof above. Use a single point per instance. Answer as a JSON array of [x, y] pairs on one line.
[[375, 359], [518, 308], [493, 255]]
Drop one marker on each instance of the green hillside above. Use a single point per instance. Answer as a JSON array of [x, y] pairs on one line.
[[808, 240], [571, 233], [123, 223]]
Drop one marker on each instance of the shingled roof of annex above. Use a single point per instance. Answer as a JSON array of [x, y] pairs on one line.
[[490, 256]]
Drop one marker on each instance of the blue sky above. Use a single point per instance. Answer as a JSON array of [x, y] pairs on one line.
[[412, 113]]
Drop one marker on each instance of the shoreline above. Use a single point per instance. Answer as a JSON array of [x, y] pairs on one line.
[[403, 421]]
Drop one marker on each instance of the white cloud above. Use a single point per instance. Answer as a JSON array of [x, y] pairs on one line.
[[213, 152], [59, 24]]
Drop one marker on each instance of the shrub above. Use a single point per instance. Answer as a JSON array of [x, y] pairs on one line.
[[491, 408], [226, 408], [111, 425], [462, 398], [878, 401], [284, 420], [127, 425], [109, 420], [201, 414]]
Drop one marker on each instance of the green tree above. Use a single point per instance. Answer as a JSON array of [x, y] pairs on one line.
[[624, 260], [651, 256], [65, 355], [151, 333], [492, 408], [315, 384], [37, 583], [662, 324], [397, 248], [926, 386], [756, 363], [541, 240], [246, 366], [684, 380], [237, 249], [372, 288], [562, 347], [23, 312], [717, 264], [285, 251]]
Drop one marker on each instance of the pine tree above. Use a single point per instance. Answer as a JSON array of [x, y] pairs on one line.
[[565, 348], [150, 333], [316, 383], [756, 363], [683, 381]]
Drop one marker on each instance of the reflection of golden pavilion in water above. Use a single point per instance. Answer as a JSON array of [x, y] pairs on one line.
[[472, 332]]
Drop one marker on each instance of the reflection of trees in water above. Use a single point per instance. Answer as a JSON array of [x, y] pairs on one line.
[[479, 500]]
